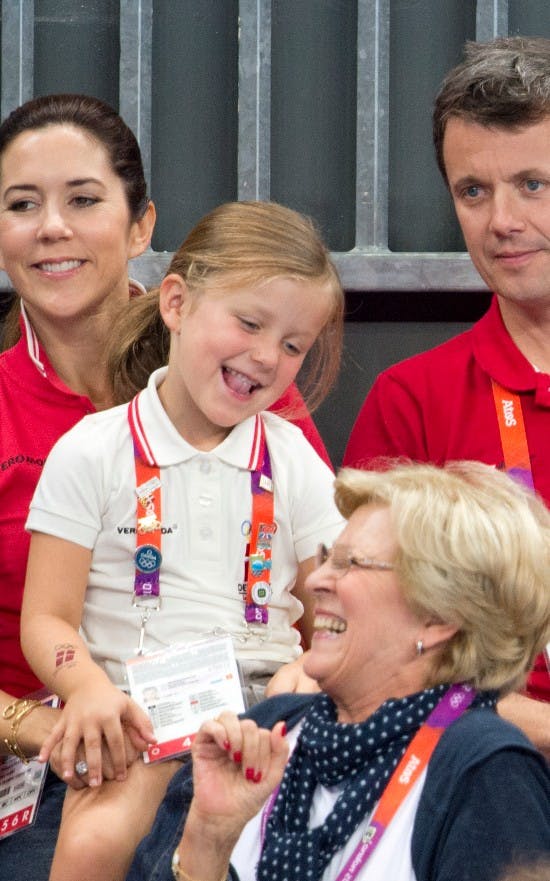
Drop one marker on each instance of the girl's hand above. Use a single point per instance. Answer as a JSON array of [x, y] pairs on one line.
[[236, 765], [80, 781], [97, 716], [291, 678]]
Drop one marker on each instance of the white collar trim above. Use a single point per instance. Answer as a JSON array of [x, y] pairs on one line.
[[33, 346]]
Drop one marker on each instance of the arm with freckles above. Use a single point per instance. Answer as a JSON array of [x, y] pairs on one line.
[[96, 713], [236, 766]]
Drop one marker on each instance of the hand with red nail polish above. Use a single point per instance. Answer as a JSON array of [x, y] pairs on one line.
[[236, 765]]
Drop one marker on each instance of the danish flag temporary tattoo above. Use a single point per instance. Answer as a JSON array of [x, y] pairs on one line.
[[64, 654]]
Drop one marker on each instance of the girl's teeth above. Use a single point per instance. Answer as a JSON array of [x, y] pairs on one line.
[[238, 382]]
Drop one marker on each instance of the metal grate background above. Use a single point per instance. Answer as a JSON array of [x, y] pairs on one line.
[[368, 264]]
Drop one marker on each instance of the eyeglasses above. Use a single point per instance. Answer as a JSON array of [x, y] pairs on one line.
[[341, 559]]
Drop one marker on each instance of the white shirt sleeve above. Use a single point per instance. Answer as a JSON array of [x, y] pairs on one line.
[[70, 495]]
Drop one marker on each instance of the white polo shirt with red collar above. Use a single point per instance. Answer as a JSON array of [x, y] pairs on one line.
[[87, 495]]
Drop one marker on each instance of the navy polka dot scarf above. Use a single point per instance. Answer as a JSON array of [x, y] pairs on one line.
[[360, 756]]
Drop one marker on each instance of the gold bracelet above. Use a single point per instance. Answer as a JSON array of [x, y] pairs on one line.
[[16, 712], [180, 875]]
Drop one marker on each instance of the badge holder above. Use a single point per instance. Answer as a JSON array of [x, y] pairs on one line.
[[181, 686]]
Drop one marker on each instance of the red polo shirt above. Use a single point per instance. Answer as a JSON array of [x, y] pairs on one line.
[[439, 406], [36, 408]]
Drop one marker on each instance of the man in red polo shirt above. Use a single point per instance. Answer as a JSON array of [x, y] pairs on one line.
[[486, 393]]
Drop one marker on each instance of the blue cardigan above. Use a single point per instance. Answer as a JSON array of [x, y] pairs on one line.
[[485, 801]]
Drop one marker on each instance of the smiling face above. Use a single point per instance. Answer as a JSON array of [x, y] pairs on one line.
[[234, 351], [362, 648], [500, 183], [65, 229]]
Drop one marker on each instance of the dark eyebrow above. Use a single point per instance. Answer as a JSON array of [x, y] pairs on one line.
[[26, 188], [80, 182], [32, 188]]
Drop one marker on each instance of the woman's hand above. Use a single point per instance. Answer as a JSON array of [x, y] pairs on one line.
[[34, 727], [236, 765], [101, 725], [291, 678], [80, 781]]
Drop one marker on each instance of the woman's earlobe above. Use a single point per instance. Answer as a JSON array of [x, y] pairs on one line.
[[438, 632], [142, 231]]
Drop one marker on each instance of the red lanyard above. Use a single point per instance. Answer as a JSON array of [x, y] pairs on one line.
[[148, 555], [417, 755], [513, 437]]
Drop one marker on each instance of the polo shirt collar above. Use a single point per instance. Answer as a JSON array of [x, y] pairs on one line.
[[498, 355], [35, 371], [34, 350], [160, 441]]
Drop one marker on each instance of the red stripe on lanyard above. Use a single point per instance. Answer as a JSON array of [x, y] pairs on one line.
[[138, 433], [258, 445], [148, 556]]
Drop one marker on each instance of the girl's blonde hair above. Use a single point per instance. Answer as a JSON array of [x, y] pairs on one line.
[[473, 551], [238, 243]]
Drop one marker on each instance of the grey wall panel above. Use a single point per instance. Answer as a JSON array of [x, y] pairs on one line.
[[76, 48], [313, 112], [529, 17], [426, 40], [194, 112]]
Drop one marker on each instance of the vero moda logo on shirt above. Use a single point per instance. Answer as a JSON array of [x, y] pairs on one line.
[[21, 460]]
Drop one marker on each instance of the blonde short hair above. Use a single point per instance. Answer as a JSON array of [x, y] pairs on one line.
[[473, 551]]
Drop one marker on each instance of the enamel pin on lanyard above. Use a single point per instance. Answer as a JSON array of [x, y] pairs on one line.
[[148, 554]]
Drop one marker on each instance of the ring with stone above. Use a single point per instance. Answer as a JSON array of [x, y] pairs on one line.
[[81, 768]]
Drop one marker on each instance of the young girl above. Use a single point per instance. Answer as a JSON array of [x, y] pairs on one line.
[[250, 293]]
